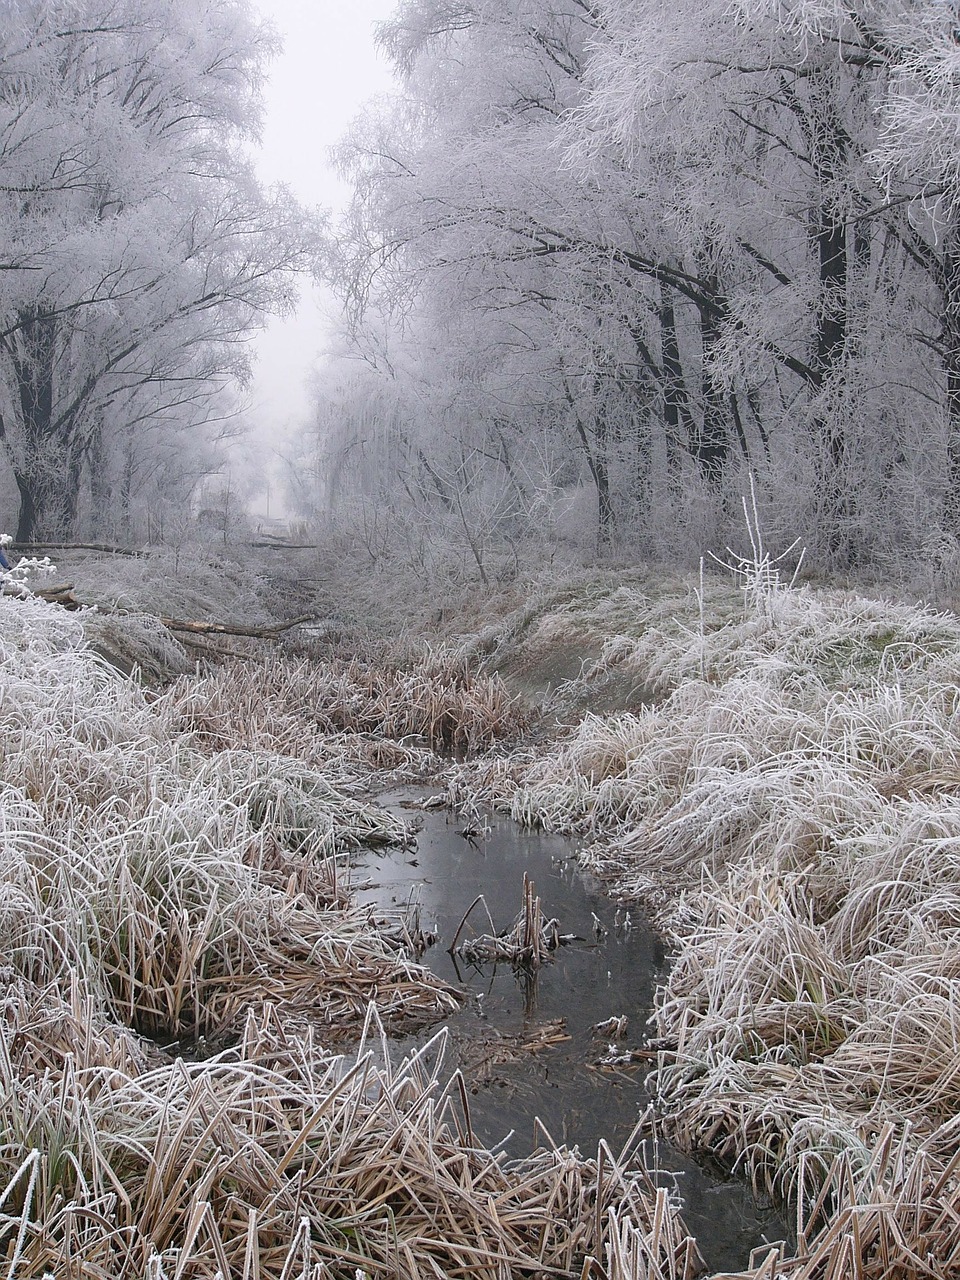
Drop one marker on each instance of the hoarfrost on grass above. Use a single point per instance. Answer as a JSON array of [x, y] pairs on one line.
[[789, 805]]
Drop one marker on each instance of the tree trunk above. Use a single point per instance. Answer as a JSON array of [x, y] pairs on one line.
[[101, 519], [125, 492], [27, 521], [838, 500], [49, 486], [950, 336], [46, 463], [828, 143], [711, 443], [676, 414], [601, 478], [597, 463], [596, 456], [830, 236]]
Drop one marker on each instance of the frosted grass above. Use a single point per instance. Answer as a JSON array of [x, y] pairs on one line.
[[280, 1158], [789, 806], [161, 878]]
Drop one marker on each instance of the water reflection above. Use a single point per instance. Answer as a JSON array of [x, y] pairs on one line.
[[528, 1043]]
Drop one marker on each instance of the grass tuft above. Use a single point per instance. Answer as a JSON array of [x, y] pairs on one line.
[[171, 869], [789, 805]]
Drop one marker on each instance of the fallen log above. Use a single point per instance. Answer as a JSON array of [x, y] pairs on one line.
[[229, 629], [105, 548], [25, 548], [284, 546], [62, 594]]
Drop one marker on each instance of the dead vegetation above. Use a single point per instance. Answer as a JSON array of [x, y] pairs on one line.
[[175, 865], [789, 808], [166, 881], [179, 887], [529, 943], [375, 714], [482, 1055], [278, 1158]]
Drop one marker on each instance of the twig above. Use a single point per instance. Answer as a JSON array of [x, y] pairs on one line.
[[479, 898]]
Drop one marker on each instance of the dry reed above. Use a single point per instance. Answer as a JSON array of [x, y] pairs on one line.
[[529, 943], [180, 886], [278, 1159], [791, 809], [153, 883], [436, 698]]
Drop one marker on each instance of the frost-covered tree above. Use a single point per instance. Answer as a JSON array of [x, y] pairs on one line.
[[585, 288], [781, 130], [144, 249], [917, 159], [467, 248], [696, 238]]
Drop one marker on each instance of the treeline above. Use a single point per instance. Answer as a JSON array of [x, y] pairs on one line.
[[607, 260], [139, 253]]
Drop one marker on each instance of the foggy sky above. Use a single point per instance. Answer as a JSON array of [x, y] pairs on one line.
[[328, 69]]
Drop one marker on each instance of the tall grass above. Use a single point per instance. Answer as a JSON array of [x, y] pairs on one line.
[[790, 807], [387, 709], [190, 581], [280, 1159], [162, 877], [179, 886]]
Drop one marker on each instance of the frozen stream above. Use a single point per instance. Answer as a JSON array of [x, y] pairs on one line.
[[527, 1046]]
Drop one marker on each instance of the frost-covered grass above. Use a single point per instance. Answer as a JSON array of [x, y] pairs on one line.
[[192, 582], [391, 709], [170, 868], [790, 806], [279, 1158], [127, 596], [158, 875]]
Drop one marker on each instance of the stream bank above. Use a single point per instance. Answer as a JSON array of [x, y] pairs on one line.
[[774, 771], [775, 774], [544, 1047]]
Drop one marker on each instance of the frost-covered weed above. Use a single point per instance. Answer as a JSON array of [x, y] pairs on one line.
[[152, 883], [185, 583], [789, 804], [174, 884], [27, 571], [427, 700], [137, 642], [149, 885], [279, 1158]]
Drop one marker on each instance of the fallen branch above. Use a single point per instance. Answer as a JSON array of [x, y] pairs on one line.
[[27, 547], [284, 546], [62, 595], [228, 629]]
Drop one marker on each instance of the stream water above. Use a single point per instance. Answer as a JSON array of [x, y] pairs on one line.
[[527, 1045]]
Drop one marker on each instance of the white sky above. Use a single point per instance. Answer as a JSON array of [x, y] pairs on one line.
[[328, 69]]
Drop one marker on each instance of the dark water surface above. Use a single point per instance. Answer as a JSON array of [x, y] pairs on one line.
[[527, 1045]]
